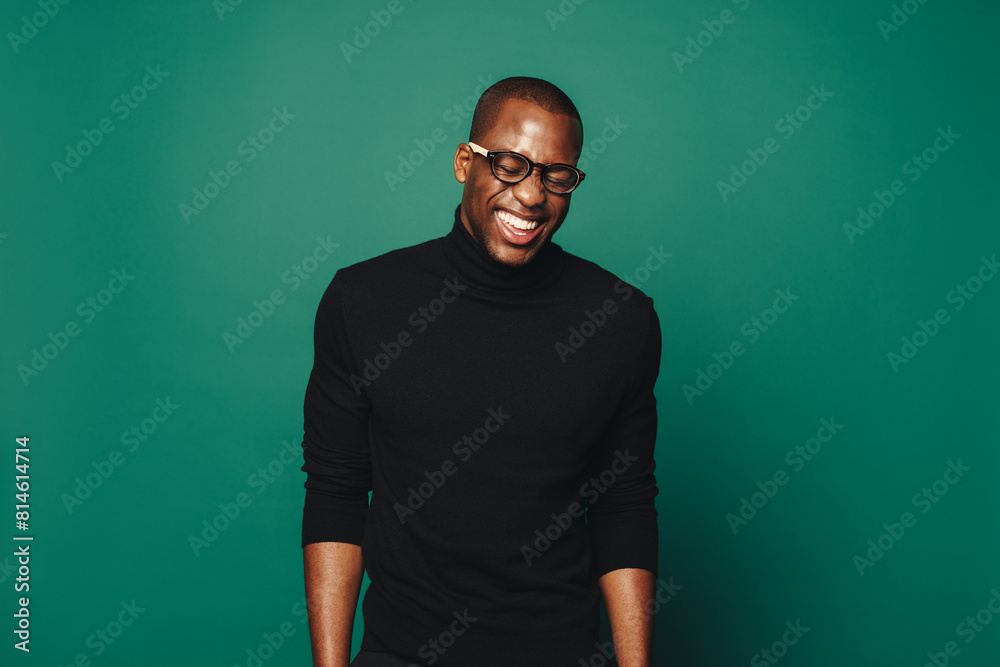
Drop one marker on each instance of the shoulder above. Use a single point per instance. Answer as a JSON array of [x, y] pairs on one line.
[[589, 278], [394, 272], [392, 265], [620, 313]]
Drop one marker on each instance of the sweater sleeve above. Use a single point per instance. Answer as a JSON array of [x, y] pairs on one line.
[[335, 443], [622, 519]]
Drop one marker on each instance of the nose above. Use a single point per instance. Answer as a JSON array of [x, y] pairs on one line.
[[530, 191]]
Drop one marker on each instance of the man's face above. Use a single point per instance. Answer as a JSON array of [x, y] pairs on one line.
[[487, 202]]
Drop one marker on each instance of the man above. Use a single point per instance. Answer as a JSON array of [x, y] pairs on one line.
[[495, 394]]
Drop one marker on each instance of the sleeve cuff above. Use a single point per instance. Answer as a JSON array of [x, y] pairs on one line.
[[325, 520]]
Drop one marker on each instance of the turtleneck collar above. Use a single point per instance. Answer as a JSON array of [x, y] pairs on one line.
[[476, 266]]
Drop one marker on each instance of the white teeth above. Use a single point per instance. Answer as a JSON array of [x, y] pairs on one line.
[[515, 221]]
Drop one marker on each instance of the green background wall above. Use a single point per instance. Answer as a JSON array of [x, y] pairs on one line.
[[681, 127]]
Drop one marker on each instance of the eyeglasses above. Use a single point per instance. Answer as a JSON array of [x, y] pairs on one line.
[[511, 167]]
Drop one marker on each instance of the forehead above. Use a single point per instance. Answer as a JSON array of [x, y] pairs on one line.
[[528, 129]]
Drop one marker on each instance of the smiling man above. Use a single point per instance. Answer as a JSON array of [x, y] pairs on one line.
[[494, 393], [513, 219]]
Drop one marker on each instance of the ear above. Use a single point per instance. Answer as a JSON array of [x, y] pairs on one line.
[[463, 162]]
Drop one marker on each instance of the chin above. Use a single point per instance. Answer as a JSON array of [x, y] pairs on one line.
[[512, 255]]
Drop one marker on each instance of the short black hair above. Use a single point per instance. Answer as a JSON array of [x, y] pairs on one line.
[[537, 91]]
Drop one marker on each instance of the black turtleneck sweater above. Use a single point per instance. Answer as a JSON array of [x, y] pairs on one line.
[[504, 421]]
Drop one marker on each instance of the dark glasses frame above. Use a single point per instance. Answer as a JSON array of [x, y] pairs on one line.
[[491, 155]]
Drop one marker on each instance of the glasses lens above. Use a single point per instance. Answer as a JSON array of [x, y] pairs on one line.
[[509, 167], [561, 179]]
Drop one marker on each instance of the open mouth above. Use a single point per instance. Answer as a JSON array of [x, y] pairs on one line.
[[517, 230]]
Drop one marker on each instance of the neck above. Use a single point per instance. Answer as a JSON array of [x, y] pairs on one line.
[[474, 263]]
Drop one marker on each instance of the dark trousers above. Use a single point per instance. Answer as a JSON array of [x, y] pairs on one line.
[[373, 659]]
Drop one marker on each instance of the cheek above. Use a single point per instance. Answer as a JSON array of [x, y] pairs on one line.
[[486, 193]]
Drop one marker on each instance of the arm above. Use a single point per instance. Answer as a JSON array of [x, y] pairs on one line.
[[333, 581], [622, 521], [338, 479], [626, 594]]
